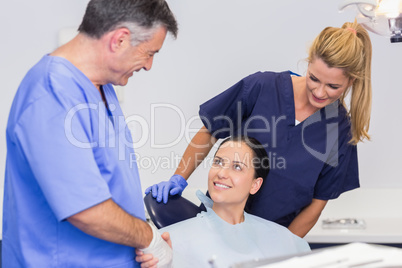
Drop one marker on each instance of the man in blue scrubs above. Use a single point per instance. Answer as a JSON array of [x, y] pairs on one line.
[[72, 196]]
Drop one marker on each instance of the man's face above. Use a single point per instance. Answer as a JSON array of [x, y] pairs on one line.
[[134, 58]]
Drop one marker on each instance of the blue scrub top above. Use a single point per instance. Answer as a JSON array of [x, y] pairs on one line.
[[310, 160], [66, 152]]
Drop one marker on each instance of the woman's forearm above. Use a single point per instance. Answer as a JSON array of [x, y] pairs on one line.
[[307, 218], [196, 152]]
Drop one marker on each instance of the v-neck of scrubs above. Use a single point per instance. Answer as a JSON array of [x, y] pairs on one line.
[[291, 108], [108, 105], [294, 122]]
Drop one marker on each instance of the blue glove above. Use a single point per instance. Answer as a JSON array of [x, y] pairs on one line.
[[174, 186]]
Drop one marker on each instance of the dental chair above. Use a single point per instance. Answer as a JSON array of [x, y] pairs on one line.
[[176, 209]]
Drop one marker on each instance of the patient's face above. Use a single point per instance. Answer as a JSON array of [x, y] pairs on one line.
[[231, 177]]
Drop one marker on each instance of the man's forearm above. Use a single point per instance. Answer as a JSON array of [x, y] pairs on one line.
[[109, 222]]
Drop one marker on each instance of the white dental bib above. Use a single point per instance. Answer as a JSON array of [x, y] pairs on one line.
[[207, 237]]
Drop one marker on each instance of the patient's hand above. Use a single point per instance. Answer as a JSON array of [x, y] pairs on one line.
[[166, 237], [148, 260]]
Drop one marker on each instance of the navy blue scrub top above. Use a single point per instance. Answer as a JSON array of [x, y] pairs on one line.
[[313, 159]]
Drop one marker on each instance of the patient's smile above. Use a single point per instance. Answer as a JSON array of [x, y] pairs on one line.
[[219, 185]]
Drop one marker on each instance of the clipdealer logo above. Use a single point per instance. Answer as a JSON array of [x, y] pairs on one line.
[[331, 154], [106, 135]]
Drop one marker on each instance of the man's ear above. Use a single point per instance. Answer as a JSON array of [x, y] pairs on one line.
[[256, 185], [119, 39]]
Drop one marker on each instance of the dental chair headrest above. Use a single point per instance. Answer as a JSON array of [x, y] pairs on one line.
[[176, 209]]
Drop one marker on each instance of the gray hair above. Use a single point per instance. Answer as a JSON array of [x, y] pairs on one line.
[[139, 34], [141, 17]]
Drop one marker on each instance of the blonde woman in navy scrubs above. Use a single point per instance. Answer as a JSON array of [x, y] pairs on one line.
[[303, 122]]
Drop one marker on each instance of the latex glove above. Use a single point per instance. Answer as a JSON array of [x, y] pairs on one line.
[[174, 186], [160, 249], [148, 260]]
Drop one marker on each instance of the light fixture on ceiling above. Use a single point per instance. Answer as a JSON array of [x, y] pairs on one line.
[[383, 17]]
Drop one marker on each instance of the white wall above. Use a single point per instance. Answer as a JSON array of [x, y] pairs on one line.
[[219, 43]]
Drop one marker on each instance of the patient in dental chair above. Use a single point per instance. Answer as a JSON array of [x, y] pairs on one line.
[[225, 234]]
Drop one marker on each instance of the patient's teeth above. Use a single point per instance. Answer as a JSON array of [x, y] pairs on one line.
[[222, 186]]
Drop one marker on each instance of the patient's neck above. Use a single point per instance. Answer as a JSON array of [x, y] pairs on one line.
[[233, 213]]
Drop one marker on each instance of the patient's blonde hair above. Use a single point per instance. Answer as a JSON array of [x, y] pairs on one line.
[[349, 48]]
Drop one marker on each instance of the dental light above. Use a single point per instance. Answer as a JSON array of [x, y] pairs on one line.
[[383, 17]]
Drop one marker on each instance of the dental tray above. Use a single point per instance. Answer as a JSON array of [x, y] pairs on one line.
[[345, 223]]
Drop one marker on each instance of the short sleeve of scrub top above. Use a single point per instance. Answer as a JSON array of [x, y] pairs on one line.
[[341, 176], [262, 106], [54, 134], [225, 112]]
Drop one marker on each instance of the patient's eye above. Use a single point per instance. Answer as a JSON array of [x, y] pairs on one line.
[[237, 167], [217, 161]]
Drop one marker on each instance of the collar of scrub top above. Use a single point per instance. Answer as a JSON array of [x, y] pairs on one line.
[[292, 73], [109, 113]]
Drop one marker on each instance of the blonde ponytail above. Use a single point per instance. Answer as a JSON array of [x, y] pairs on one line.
[[349, 48]]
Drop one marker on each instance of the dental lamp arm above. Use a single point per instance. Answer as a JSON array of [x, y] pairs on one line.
[[359, 4]]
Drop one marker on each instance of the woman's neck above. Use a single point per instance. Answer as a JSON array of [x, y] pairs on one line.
[[303, 108], [232, 214]]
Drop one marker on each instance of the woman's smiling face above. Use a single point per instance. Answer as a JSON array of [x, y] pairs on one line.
[[232, 176], [324, 84]]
